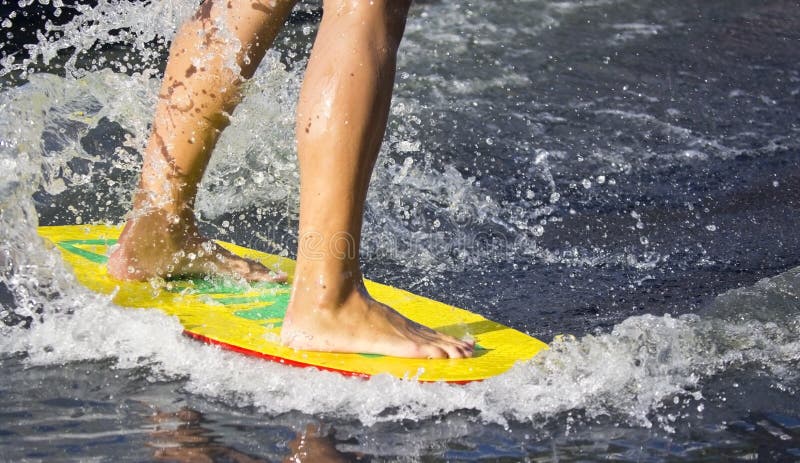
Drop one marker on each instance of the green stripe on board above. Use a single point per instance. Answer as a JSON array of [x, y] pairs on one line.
[[276, 311], [72, 246], [251, 299], [221, 286]]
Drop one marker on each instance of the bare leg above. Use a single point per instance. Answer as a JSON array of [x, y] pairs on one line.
[[200, 87], [341, 119]]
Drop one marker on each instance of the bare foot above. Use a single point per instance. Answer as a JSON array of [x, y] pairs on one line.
[[159, 245], [360, 324]]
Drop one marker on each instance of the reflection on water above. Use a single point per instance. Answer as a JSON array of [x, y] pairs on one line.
[[624, 172], [180, 436]]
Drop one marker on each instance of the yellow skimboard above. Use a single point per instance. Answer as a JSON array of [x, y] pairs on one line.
[[246, 318]]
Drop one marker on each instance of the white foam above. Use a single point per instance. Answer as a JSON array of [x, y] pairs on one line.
[[628, 373], [632, 31]]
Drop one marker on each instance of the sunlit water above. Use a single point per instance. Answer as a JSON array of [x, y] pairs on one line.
[[625, 173]]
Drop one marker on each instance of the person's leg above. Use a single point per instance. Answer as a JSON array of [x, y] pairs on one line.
[[201, 86], [341, 119]]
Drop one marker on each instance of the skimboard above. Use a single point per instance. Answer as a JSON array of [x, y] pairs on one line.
[[246, 318]]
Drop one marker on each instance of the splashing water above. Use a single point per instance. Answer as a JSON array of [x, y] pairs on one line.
[[608, 211], [626, 373]]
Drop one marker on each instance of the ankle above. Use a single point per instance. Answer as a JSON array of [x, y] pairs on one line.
[[326, 290]]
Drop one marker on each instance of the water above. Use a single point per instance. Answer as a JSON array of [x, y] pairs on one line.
[[625, 173]]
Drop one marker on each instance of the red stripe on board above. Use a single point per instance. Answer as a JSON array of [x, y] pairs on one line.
[[271, 358], [294, 363]]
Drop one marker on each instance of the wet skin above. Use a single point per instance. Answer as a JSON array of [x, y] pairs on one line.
[[341, 119]]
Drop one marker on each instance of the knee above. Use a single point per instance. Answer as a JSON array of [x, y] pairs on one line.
[[383, 21], [396, 12], [397, 18]]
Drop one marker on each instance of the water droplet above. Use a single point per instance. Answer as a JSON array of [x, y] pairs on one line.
[[711, 228]]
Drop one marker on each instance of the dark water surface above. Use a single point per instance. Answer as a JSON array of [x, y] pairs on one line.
[[627, 173]]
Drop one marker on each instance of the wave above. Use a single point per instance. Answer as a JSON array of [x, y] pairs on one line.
[[630, 372], [79, 134]]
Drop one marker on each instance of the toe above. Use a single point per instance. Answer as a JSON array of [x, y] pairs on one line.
[[455, 351], [435, 352]]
